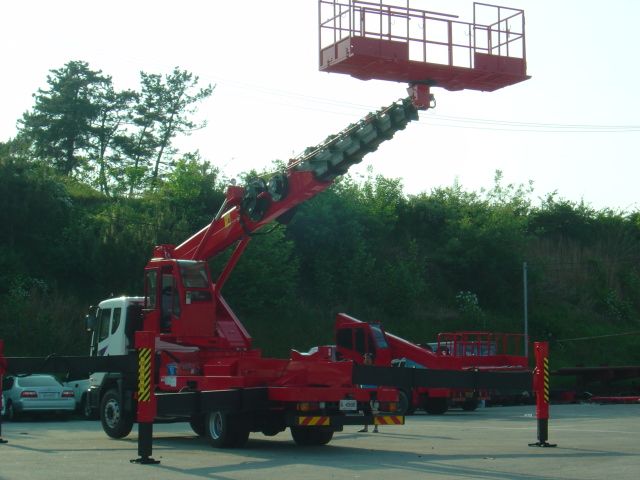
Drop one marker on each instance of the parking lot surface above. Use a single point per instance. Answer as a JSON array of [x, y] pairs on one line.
[[594, 442]]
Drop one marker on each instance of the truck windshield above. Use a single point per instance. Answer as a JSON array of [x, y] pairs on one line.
[[378, 336], [194, 274]]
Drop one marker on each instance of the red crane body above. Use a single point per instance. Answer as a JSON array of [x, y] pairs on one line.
[[194, 357], [203, 339], [478, 351]]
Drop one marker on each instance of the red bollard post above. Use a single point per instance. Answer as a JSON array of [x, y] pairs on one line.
[[145, 344], [541, 387], [3, 369]]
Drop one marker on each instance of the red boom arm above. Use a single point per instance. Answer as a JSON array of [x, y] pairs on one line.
[[182, 302], [246, 209]]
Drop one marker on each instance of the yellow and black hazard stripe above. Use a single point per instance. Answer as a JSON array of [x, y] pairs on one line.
[[144, 374], [314, 421], [545, 378], [388, 420]]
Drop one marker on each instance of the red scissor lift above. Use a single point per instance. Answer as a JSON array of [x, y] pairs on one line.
[[394, 41]]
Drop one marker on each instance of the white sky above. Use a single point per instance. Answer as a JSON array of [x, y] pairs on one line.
[[271, 101]]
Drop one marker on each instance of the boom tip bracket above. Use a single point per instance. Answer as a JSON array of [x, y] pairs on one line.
[[421, 96]]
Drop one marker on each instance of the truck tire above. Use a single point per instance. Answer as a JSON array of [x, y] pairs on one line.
[[197, 424], [470, 404], [436, 405], [404, 403], [310, 436], [225, 430], [116, 422]]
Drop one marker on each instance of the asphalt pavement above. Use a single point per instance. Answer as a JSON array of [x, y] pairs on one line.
[[593, 442]]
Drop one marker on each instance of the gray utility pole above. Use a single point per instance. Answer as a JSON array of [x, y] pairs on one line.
[[526, 310]]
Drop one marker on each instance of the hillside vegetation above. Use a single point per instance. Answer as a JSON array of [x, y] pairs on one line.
[[80, 222]]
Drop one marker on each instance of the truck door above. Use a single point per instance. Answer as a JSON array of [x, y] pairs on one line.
[[108, 342], [379, 345], [151, 314], [162, 300], [354, 342], [104, 324], [134, 320], [166, 302]]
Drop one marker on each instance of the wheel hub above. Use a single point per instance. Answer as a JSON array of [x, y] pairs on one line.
[[112, 413]]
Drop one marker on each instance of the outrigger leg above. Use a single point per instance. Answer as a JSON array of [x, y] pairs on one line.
[[541, 386], [145, 343]]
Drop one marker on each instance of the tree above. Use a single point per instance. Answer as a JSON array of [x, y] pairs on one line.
[[60, 125], [108, 137], [163, 111], [118, 141]]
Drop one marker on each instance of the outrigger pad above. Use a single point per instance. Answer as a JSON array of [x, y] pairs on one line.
[[543, 444], [145, 461]]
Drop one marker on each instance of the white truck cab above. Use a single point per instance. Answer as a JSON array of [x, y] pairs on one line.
[[113, 325]]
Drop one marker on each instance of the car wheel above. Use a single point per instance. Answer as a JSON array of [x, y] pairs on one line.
[[116, 422], [225, 430], [87, 412], [10, 412]]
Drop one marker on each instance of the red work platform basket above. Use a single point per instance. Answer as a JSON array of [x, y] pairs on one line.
[[394, 41]]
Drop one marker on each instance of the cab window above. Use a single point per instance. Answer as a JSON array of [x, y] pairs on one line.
[[194, 274], [378, 336], [150, 287], [360, 345], [344, 339], [117, 313], [103, 323], [170, 303]]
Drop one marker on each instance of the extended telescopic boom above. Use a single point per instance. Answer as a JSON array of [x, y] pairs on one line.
[[260, 201]]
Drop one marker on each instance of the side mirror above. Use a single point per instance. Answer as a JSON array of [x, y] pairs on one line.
[[90, 322]]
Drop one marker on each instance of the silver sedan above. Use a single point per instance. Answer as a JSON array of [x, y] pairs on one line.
[[36, 394]]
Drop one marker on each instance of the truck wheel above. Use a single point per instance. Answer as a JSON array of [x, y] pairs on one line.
[[197, 424], [436, 405], [309, 436], [225, 430], [404, 403], [470, 405], [115, 421]]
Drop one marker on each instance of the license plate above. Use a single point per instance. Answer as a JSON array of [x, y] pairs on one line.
[[348, 405], [48, 395]]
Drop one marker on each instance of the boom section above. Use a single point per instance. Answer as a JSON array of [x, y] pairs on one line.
[[262, 200]]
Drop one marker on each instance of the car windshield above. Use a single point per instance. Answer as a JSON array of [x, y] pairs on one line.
[[38, 381]]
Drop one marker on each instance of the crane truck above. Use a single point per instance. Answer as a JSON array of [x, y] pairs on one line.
[[201, 345], [180, 352], [485, 351], [195, 359]]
